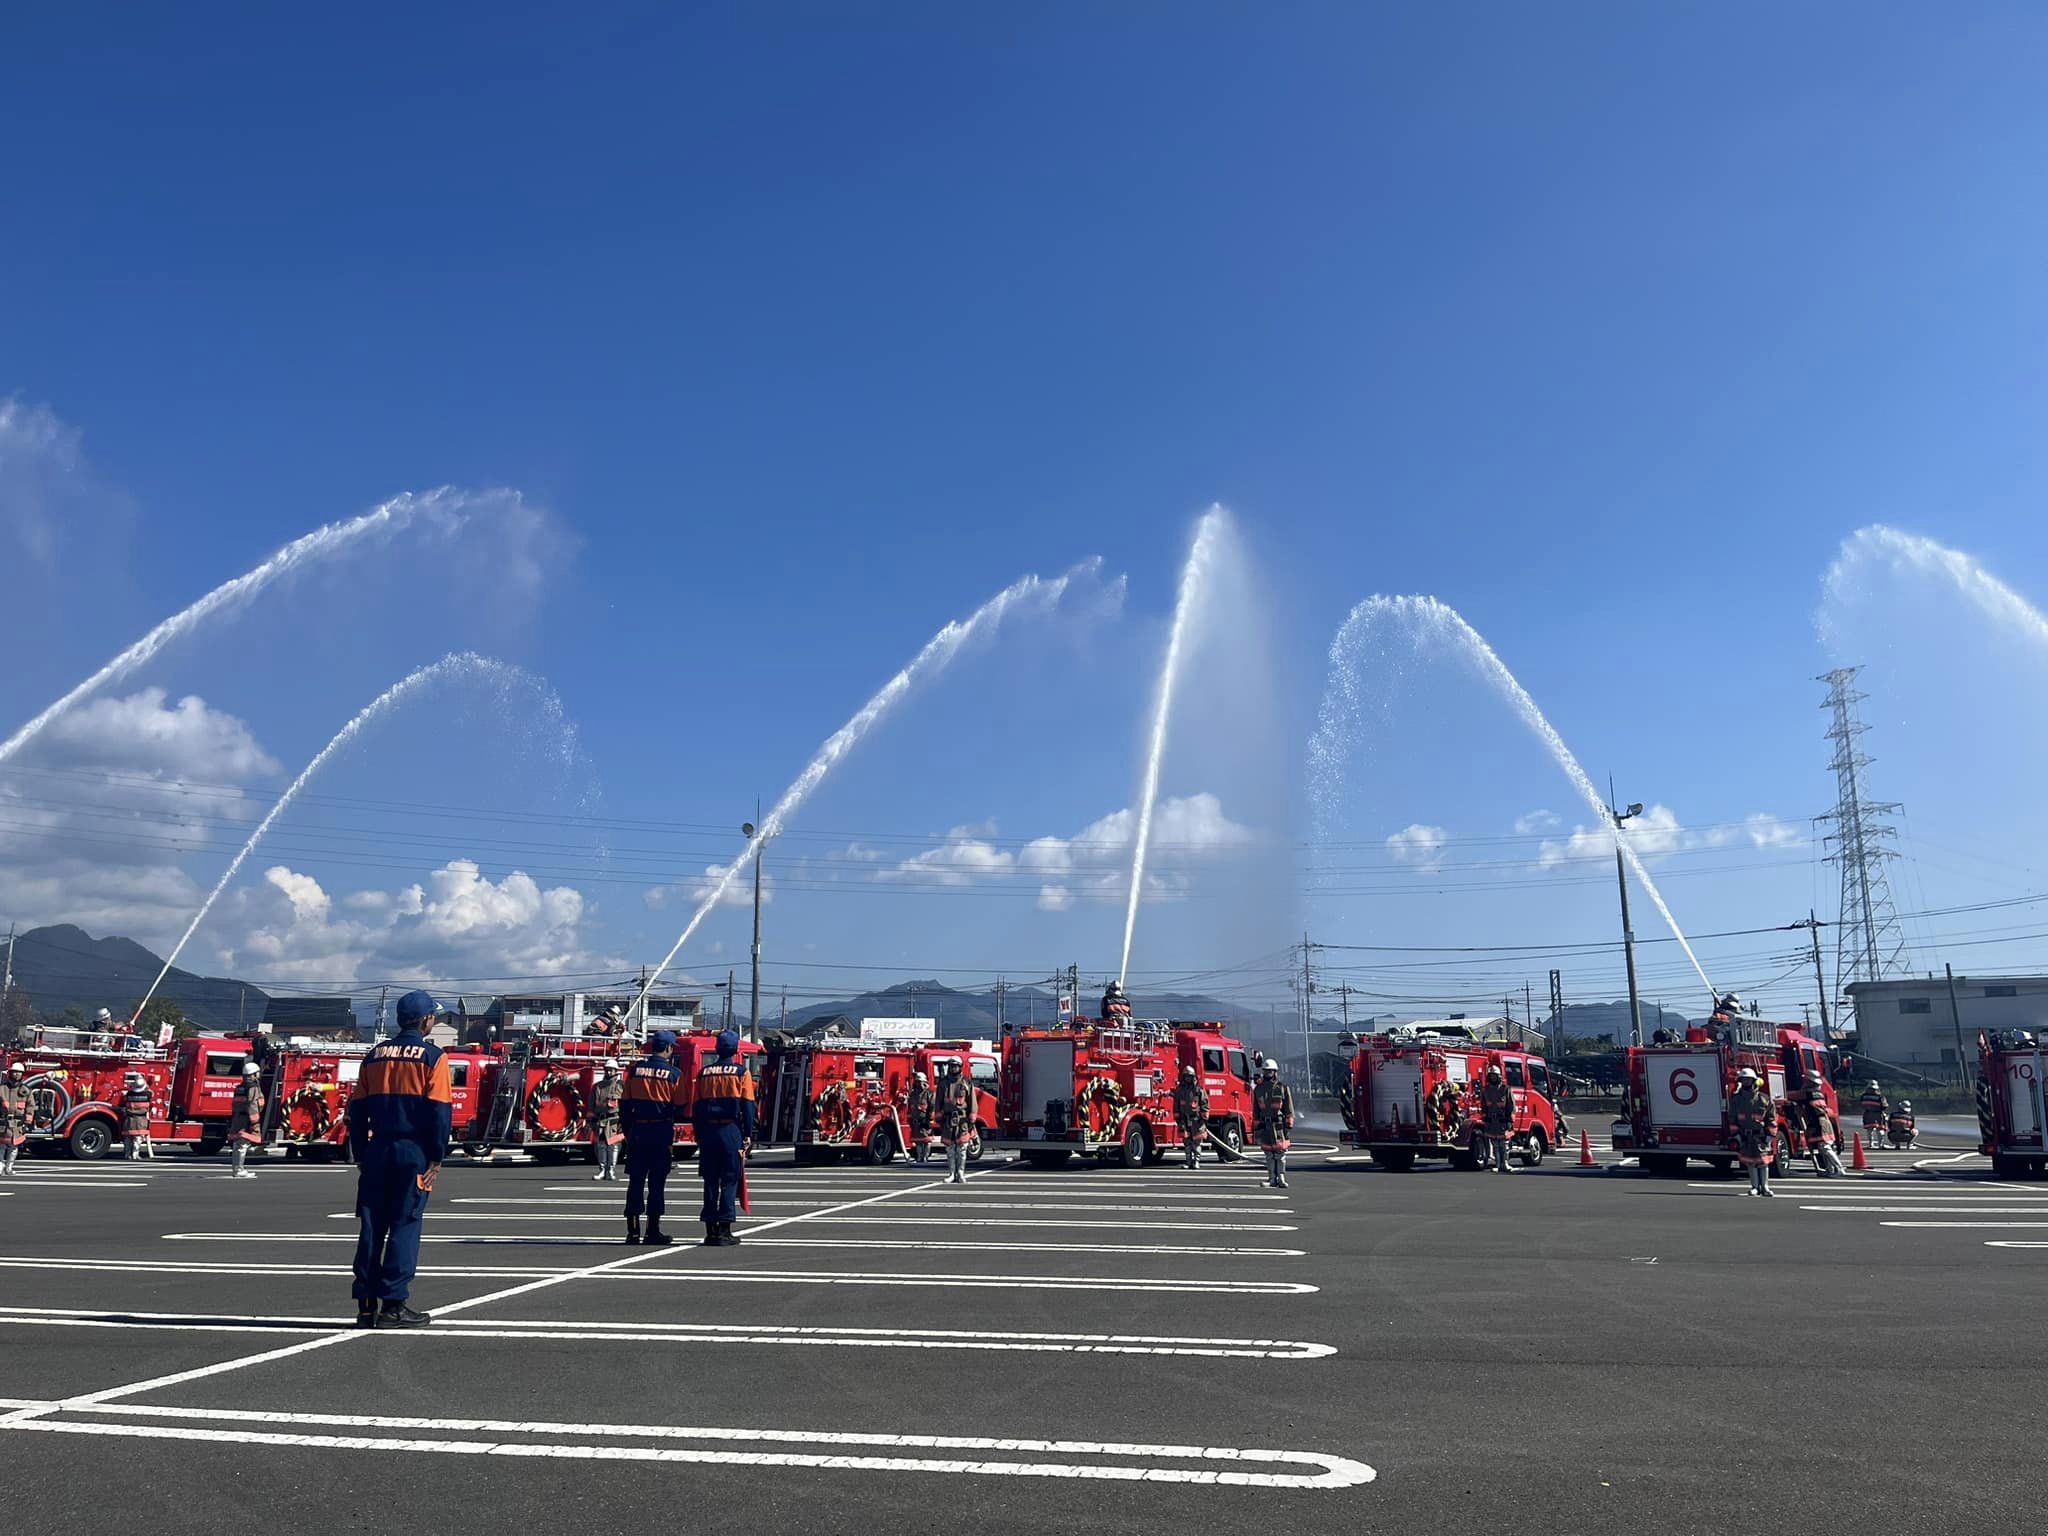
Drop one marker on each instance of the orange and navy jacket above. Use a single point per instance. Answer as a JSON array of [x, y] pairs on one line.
[[654, 1084], [725, 1096], [405, 1094]]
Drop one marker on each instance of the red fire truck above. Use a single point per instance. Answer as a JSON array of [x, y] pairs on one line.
[[76, 1077], [2010, 1103], [830, 1099], [1105, 1088], [1675, 1099], [533, 1092], [1418, 1096]]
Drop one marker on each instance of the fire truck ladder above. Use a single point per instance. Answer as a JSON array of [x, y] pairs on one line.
[[510, 1097]]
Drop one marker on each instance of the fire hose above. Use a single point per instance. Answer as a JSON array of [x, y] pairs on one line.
[[555, 1085], [1104, 1090], [831, 1100], [319, 1117]]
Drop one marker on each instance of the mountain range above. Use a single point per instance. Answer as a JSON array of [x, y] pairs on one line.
[[63, 966]]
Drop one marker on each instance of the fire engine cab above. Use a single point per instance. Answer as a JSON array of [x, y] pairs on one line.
[[1418, 1096], [2010, 1107], [75, 1079], [1675, 1098], [833, 1099], [1105, 1089]]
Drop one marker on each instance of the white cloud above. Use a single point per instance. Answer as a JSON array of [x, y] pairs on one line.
[[49, 496], [1658, 832], [858, 853], [1187, 832], [1766, 831], [1420, 846], [698, 888], [1537, 821], [141, 783], [457, 925]]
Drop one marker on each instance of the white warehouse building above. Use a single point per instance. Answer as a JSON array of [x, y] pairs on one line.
[[1910, 1021]]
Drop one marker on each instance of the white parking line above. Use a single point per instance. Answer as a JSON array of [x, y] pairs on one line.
[[701, 1276], [46, 1181], [1931, 1210], [1965, 1225], [919, 1205], [1215, 1465], [831, 1218], [584, 1332], [930, 1245]]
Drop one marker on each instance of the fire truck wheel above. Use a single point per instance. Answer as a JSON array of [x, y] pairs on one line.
[[1783, 1167], [1534, 1147], [551, 1157], [1663, 1165], [1724, 1167], [1232, 1136], [1047, 1159], [1464, 1161], [209, 1146], [976, 1147], [91, 1139], [1136, 1143], [1394, 1159], [881, 1147]]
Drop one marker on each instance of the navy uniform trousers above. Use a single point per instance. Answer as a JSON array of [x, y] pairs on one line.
[[650, 1153], [720, 1165], [390, 1210]]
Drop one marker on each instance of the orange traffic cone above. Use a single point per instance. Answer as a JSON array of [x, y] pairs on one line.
[[1586, 1151], [1857, 1160]]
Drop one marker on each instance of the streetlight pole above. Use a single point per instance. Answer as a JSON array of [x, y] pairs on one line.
[[1628, 933], [754, 1008]]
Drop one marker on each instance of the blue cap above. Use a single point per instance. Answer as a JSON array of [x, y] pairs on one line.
[[661, 1040], [728, 1041], [415, 1008]]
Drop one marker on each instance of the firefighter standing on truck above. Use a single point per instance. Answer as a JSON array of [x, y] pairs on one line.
[[1755, 1129], [245, 1120], [135, 1107], [1273, 1121], [16, 1111], [1191, 1114], [400, 1118], [917, 1110], [1497, 1118], [606, 1094], [956, 1121], [723, 1116], [647, 1110]]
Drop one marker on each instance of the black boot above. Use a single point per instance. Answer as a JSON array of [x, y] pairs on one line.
[[728, 1237], [710, 1234], [397, 1314], [632, 1231], [366, 1312], [656, 1238]]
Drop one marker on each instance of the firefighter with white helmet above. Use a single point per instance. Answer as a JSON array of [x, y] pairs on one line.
[[1875, 1111], [17, 1111], [136, 1103], [1116, 1007], [1497, 1117], [957, 1123], [1273, 1121], [606, 1132], [245, 1120], [917, 1115], [1902, 1126], [1755, 1129]]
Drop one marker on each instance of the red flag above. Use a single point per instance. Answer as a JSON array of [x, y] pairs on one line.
[[746, 1205]]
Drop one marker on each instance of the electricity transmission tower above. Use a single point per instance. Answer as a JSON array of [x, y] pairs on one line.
[[1869, 944]]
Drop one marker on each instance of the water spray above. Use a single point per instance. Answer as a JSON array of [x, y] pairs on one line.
[[1909, 551], [938, 652], [1427, 616], [1192, 587], [387, 518], [462, 663]]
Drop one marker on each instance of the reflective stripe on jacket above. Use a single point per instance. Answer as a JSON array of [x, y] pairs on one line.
[[406, 1093], [725, 1096]]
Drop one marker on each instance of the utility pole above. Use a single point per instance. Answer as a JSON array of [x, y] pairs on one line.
[[1557, 1011], [1869, 944], [1820, 981], [1344, 1002], [1529, 1008], [1002, 987], [1628, 933], [1955, 1014], [383, 996], [1308, 990], [241, 1007], [782, 1023], [728, 998], [8, 986]]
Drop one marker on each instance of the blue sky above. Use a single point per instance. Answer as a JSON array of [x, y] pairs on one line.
[[799, 334]]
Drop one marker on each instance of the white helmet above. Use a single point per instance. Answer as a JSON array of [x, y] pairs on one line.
[[250, 1068], [104, 1016], [1747, 1074], [1905, 1103]]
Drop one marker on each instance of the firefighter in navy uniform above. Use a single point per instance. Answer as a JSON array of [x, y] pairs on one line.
[[647, 1110], [723, 1117], [16, 1113], [1191, 1114], [400, 1118]]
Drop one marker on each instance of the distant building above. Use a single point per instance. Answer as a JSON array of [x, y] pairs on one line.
[[1909, 1021], [318, 1018], [570, 1013]]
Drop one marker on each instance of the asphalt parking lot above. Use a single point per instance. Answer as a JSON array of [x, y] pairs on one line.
[[1563, 1350]]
